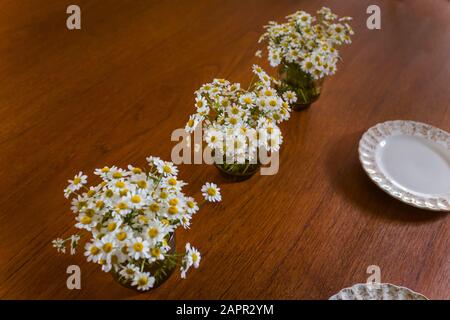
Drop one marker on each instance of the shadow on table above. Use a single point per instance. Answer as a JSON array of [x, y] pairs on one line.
[[348, 178]]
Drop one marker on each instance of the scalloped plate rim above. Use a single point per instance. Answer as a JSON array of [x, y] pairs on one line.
[[381, 284], [399, 189]]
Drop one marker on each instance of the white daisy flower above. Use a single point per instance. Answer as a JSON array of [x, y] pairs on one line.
[[214, 138], [143, 281], [93, 251], [156, 253], [116, 173], [191, 205], [211, 192], [78, 182], [137, 199], [290, 96], [167, 168], [192, 123], [138, 248], [155, 232], [129, 271], [191, 258], [103, 172], [247, 99]]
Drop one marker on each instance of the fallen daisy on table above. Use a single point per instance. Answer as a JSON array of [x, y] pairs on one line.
[[131, 217], [211, 192]]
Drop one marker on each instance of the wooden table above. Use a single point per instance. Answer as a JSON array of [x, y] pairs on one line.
[[113, 92]]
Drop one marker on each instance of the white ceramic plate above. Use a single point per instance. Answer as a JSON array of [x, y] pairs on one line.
[[410, 161], [377, 291]]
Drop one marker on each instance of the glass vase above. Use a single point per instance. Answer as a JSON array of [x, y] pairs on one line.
[[161, 270], [307, 89]]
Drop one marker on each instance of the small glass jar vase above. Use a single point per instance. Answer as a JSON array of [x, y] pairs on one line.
[[238, 171], [160, 270], [307, 89]]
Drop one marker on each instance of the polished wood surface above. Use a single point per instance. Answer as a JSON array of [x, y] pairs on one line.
[[113, 92]]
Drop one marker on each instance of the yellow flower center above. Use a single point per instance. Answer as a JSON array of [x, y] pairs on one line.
[[105, 169], [121, 236], [167, 169], [172, 181], [173, 202], [155, 252], [120, 184], [107, 247], [138, 246], [142, 184], [233, 120], [94, 250], [163, 195], [190, 204], [273, 103], [247, 100], [268, 93], [173, 210], [137, 170], [153, 232], [90, 193], [143, 281], [194, 257], [136, 199], [86, 220], [117, 175], [100, 204], [211, 191], [154, 207], [112, 226], [76, 181]]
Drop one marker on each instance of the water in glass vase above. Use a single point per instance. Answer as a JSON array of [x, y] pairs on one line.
[[238, 171], [307, 89]]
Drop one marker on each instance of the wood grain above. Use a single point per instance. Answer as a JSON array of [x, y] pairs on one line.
[[113, 92]]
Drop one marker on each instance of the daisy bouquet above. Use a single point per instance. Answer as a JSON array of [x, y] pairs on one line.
[[305, 49], [238, 123], [131, 217]]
